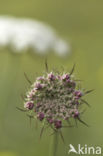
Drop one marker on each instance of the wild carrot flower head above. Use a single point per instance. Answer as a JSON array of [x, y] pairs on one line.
[[54, 99]]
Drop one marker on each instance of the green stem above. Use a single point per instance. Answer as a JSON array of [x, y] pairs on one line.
[[53, 145]]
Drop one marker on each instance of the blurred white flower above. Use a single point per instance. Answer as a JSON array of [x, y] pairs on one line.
[[22, 34]]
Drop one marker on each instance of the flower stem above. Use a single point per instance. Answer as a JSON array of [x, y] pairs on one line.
[[53, 145]]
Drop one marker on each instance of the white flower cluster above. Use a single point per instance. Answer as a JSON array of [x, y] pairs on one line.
[[21, 34]]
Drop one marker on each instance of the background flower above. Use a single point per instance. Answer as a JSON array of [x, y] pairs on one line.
[[24, 33]]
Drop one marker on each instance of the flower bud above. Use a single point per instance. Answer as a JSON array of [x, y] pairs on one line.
[[40, 116], [65, 77], [38, 86], [51, 76], [76, 114], [58, 124], [29, 105], [78, 94]]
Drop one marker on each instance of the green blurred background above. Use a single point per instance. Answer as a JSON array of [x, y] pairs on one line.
[[81, 23]]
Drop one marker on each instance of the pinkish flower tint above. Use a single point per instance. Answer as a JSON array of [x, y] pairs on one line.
[[65, 77], [40, 116], [38, 86], [29, 105], [50, 120], [41, 78], [76, 114], [78, 94], [51, 76], [58, 124], [68, 80], [54, 98]]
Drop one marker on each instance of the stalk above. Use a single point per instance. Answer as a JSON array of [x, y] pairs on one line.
[[54, 145]]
